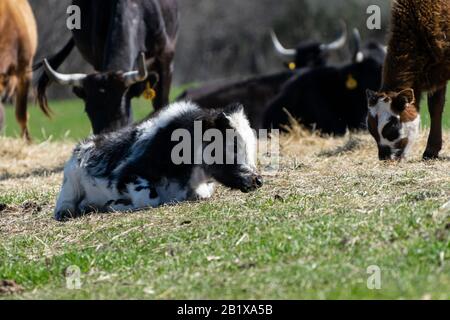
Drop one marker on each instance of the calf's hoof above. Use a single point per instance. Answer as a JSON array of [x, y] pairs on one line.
[[65, 215], [253, 183]]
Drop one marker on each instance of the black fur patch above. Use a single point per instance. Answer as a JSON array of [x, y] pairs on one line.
[[109, 203], [140, 188], [153, 193], [391, 130], [125, 202]]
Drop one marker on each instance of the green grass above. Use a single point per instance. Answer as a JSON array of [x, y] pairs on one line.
[[69, 120], [311, 232], [426, 116], [286, 255]]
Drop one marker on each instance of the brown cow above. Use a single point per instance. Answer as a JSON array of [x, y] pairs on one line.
[[18, 43], [418, 60]]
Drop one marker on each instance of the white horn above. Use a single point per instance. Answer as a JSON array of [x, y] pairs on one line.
[[358, 55], [73, 80], [279, 47], [338, 43], [140, 75]]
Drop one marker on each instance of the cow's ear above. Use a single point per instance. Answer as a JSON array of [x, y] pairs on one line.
[[370, 94], [407, 94], [233, 108], [79, 92], [402, 100], [222, 121]]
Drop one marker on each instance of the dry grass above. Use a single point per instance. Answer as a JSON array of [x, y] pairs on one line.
[[319, 178], [310, 165]]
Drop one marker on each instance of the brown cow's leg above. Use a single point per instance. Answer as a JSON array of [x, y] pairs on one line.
[[164, 67], [2, 117], [21, 106], [436, 104]]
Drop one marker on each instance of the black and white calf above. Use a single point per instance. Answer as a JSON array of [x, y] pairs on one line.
[[134, 168]]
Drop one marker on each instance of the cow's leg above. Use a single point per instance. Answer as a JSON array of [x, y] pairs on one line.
[[436, 102], [22, 104], [165, 70], [71, 193], [2, 117]]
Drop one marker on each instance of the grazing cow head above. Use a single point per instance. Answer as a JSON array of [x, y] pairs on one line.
[[105, 94], [309, 54], [329, 99], [394, 122], [371, 50], [238, 170]]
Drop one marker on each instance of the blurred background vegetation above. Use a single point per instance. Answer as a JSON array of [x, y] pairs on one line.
[[226, 38], [218, 39]]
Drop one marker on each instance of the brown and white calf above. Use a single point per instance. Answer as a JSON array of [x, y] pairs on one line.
[[418, 60], [18, 43]]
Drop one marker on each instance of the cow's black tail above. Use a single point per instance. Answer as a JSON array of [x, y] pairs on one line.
[[42, 81]]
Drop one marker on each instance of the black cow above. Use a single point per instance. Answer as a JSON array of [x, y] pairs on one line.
[[112, 37], [253, 93], [256, 92], [329, 99], [309, 53]]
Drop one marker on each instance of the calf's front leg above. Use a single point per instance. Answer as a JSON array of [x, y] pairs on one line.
[[70, 195]]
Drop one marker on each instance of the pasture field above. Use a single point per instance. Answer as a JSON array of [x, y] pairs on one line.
[[312, 231], [69, 120]]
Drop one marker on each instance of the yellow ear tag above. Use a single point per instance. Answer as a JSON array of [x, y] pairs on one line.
[[351, 83], [149, 92], [292, 66]]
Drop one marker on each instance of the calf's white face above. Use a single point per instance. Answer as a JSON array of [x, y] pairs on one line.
[[394, 122], [241, 173]]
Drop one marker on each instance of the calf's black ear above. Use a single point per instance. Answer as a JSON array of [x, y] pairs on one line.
[[402, 99], [222, 122], [233, 108], [407, 94]]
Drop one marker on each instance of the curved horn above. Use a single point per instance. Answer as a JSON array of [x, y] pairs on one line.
[[74, 80], [279, 47], [339, 42], [140, 75], [358, 55]]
